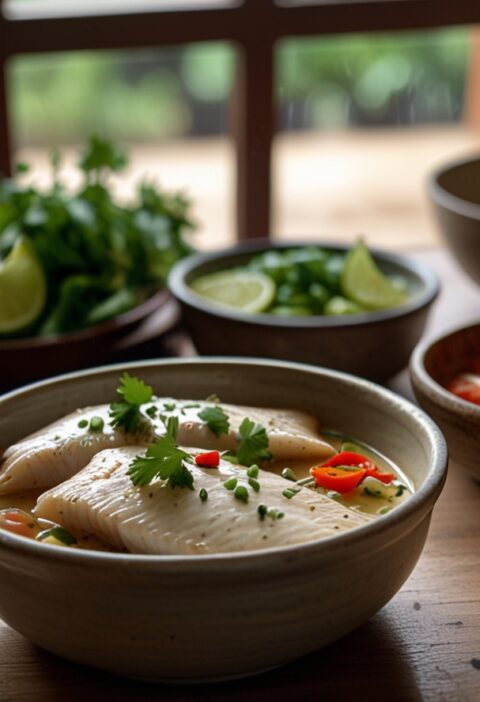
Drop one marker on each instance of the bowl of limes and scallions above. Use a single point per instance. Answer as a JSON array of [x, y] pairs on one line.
[[351, 308]]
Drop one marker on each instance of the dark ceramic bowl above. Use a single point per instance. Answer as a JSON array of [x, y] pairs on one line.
[[455, 192], [374, 345], [432, 366], [33, 358]]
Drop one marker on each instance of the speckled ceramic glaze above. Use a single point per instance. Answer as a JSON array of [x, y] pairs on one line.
[[215, 617], [432, 366], [374, 345]]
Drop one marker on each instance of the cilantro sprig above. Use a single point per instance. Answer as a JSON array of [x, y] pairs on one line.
[[216, 420], [253, 446], [165, 460], [126, 415]]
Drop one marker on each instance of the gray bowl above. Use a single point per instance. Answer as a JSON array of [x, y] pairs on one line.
[[454, 190], [199, 618], [374, 345], [433, 365]]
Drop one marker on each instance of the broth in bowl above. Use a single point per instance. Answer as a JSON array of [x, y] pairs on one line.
[[181, 477]]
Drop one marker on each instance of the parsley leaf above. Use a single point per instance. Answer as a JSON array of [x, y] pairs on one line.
[[216, 420], [165, 460], [253, 443], [126, 414], [134, 391]]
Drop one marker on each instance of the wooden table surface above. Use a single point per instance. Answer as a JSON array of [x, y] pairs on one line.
[[424, 645]]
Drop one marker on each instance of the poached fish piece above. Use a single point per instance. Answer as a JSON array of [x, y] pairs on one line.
[[155, 519], [60, 450]]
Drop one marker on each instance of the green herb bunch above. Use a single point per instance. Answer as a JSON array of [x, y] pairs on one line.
[[100, 258]]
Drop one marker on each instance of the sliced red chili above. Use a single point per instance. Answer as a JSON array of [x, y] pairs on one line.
[[350, 458], [211, 459], [337, 478]]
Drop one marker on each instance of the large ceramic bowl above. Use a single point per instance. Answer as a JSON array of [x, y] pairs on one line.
[[433, 365], [455, 193], [198, 618], [374, 345]]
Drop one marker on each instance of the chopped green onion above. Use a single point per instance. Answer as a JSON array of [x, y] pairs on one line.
[[275, 514], [59, 533], [254, 484], [203, 495], [384, 510], [151, 411], [230, 457], [401, 489], [96, 424], [169, 406], [289, 474], [230, 484], [241, 493], [253, 471], [83, 423], [262, 511], [290, 492]]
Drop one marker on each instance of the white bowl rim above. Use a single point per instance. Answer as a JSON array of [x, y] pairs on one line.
[[430, 489], [445, 198], [182, 292], [444, 398]]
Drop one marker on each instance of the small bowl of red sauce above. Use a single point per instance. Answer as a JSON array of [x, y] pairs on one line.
[[445, 375]]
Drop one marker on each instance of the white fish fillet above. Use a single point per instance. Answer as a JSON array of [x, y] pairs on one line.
[[155, 519], [60, 450]]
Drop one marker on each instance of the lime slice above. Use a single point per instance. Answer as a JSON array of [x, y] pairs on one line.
[[244, 290], [23, 289], [364, 283]]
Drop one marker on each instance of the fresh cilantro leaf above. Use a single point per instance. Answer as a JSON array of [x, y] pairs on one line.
[[134, 391], [127, 417], [165, 460], [126, 414], [253, 445], [216, 420]]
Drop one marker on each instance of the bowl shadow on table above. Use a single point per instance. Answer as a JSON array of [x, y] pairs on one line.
[[331, 673]]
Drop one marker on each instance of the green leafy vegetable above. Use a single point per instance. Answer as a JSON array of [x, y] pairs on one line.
[[253, 445], [127, 415], [216, 420], [100, 258], [164, 460]]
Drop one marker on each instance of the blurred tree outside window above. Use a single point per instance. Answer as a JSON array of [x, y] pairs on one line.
[[172, 105]]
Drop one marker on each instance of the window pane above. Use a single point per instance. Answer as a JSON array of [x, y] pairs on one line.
[[168, 108], [363, 119]]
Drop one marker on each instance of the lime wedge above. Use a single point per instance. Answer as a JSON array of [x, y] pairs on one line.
[[243, 290], [23, 289], [364, 283]]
